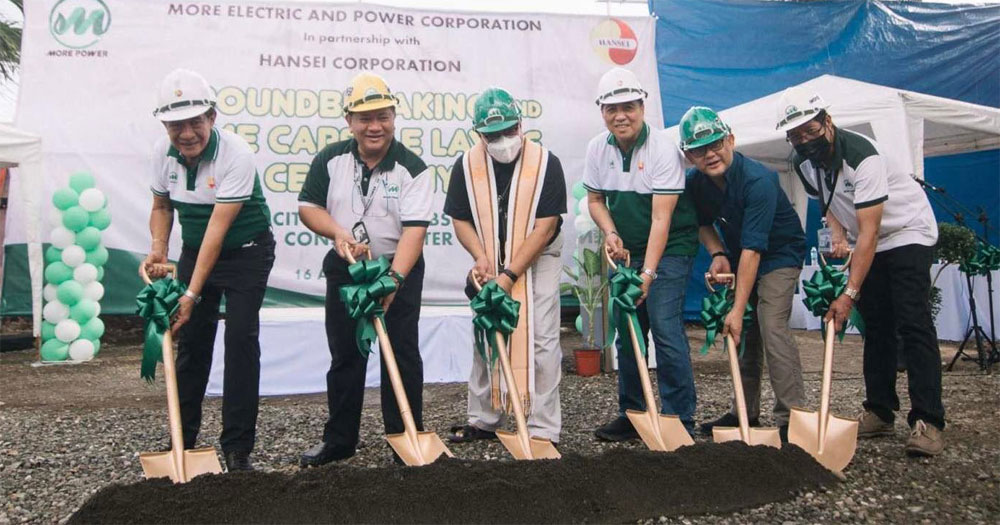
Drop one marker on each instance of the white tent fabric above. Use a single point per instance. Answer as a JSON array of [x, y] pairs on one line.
[[24, 150], [906, 124]]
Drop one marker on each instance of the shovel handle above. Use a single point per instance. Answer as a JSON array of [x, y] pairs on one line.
[[611, 260], [741, 402], [729, 277], [170, 268], [847, 262], [824, 396], [346, 248]]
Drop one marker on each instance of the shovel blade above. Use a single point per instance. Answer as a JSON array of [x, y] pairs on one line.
[[428, 449], [196, 462], [661, 433], [672, 432], [758, 436], [539, 448], [837, 450]]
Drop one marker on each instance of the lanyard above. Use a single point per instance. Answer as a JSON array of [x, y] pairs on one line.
[[825, 206], [358, 176]]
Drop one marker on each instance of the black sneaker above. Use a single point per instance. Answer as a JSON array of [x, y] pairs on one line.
[[238, 461], [727, 420], [325, 453], [620, 429]]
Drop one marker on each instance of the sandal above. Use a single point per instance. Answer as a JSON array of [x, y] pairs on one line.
[[466, 433]]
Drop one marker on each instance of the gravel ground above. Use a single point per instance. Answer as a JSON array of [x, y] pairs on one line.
[[67, 431]]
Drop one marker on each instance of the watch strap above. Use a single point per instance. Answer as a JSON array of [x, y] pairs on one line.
[[508, 273], [193, 296]]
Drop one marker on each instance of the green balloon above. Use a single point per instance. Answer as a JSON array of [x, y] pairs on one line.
[[48, 330], [69, 292], [579, 191], [58, 273], [80, 181], [97, 346], [83, 311], [579, 324], [92, 329], [89, 237], [65, 198], [54, 350], [100, 273], [53, 254], [100, 219], [75, 218], [97, 257]]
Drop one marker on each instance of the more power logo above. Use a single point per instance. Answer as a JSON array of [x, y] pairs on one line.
[[614, 41], [79, 24]]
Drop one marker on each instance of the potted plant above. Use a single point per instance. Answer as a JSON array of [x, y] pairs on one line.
[[588, 284]]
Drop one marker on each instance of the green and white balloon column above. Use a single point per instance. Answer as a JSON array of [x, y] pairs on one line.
[[74, 268], [583, 224]]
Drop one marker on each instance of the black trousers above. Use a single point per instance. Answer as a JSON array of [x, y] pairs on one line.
[[345, 382], [241, 276], [895, 305]]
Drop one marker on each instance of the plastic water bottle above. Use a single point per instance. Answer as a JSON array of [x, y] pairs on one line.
[[814, 256]]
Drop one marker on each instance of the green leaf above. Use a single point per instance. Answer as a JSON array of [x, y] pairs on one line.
[[566, 288], [591, 263], [571, 273]]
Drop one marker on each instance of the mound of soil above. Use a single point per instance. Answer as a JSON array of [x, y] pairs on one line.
[[617, 486]]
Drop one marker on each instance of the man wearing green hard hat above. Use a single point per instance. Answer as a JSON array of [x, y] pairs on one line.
[[506, 197], [763, 241]]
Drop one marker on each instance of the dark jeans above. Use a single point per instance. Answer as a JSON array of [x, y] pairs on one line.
[[241, 275], [895, 300], [345, 382]]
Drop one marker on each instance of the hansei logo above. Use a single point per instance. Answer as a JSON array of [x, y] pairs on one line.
[[78, 24], [391, 189], [173, 176], [614, 41]]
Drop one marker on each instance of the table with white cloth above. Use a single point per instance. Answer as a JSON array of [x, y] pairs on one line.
[[953, 320]]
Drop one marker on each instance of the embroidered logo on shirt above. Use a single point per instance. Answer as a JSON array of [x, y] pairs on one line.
[[211, 182], [173, 176], [391, 189], [641, 165], [848, 187]]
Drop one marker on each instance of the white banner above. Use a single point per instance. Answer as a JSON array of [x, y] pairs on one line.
[[90, 69]]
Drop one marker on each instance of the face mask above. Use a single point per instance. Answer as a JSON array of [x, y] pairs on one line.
[[816, 150], [505, 149]]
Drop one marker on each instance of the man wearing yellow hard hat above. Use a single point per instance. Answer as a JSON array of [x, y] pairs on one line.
[[368, 192]]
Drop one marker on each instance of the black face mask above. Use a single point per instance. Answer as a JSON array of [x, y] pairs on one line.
[[816, 150]]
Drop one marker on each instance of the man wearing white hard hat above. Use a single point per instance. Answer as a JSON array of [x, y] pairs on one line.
[[867, 197], [635, 182], [207, 175], [369, 192]]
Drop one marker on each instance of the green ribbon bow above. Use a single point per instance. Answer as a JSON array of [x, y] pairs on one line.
[[155, 304], [493, 312], [824, 287], [624, 289], [714, 309], [363, 299], [985, 259]]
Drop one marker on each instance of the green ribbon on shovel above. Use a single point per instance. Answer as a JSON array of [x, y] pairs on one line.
[[363, 299], [714, 309], [822, 289], [155, 304], [494, 311], [624, 289], [985, 259]]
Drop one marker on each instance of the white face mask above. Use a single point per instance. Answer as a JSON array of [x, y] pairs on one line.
[[505, 149]]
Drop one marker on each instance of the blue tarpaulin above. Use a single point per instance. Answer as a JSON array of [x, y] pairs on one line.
[[721, 53]]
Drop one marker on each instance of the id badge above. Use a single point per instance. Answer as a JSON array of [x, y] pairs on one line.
[[824, 240], [360, 232]]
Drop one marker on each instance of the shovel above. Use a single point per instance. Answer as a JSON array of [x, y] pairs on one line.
[[831, 440], [178, 464], [413, 447], [660, 432], [519, 444]]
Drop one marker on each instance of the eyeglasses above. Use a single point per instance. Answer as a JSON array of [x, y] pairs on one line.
[[180, 125], [805, 136], [714, 147]]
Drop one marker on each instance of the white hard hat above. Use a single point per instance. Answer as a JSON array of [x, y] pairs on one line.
[[183, 94], [619, 85], [796, 107]]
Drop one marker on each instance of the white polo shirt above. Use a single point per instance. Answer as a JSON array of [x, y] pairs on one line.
[[224, 173], [398, 192], [864, 177]]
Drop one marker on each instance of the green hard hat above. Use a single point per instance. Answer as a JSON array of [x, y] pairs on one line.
[[700, 126], [495, 110]]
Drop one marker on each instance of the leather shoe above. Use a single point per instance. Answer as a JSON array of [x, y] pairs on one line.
[[727, 420], [238, 460], [619, 429], [325, 453]]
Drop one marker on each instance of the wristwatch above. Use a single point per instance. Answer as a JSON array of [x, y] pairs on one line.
[[193, 296], [718, 254], [852, 293], [398, 277], [650, 273]]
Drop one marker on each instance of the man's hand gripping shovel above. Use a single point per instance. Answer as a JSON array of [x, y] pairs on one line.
[[178, 464], [750, 436], [660, 432], [413, 447]]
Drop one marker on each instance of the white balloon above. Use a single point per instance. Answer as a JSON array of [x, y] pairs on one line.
[[49, 293], [62, 237], [85, 274], [67, 330], [73, 256], [98, 308], [92, 199], [55, 311], [81, 350], [584, 210], [93, 291], [55, 217], [583, 225]]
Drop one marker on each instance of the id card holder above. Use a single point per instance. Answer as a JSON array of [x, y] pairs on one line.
[[824, 240], [360, 232]]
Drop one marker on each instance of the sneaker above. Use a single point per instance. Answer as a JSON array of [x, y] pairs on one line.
[[325, 453], [620, 429], [727, 420], [238, 460], [925, 440], [871, 425]]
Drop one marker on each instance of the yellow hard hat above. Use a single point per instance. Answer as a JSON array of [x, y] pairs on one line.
[[367, 92]]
